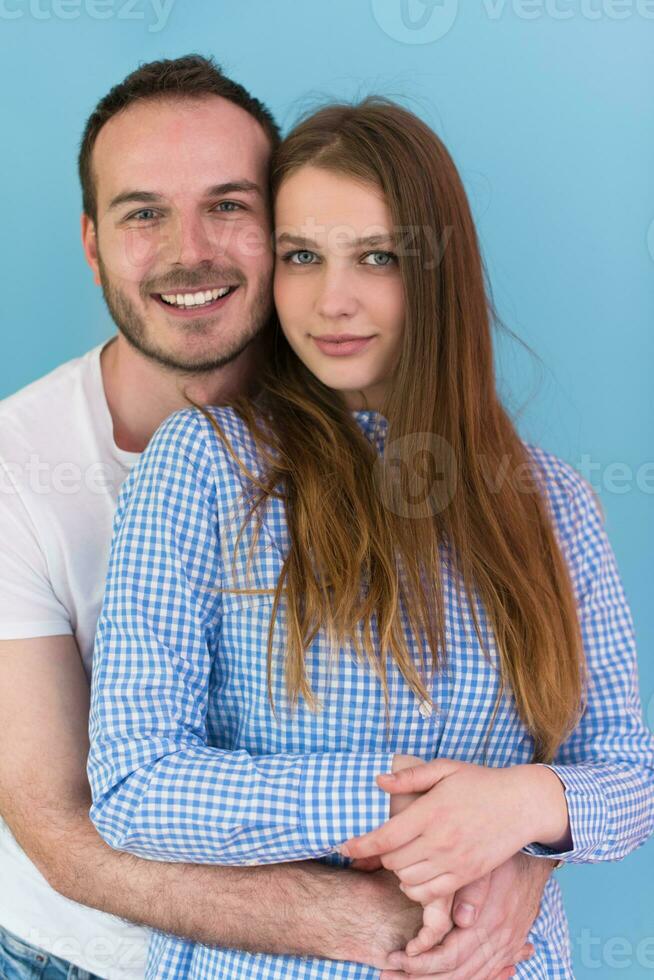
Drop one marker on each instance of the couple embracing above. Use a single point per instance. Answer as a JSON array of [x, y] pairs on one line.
[[351, 702]]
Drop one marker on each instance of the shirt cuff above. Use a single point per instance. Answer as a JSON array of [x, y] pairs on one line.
[[586, 813], [341, 798]]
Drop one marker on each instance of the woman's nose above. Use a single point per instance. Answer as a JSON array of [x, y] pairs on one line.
[[337, 297]]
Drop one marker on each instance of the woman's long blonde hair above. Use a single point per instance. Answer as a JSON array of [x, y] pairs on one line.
[[363, 554]]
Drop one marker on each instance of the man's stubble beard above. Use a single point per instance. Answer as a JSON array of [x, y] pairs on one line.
[[133, 327]]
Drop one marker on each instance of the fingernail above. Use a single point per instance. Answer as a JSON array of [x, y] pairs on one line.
[[465, 913], [395, 960]]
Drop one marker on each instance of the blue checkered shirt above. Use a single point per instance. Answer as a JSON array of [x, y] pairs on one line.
[[188, 763]]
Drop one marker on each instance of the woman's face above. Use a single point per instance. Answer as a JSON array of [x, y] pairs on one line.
[[338, 288]]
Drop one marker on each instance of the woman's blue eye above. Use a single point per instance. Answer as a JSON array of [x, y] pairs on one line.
[[381, 259], [301, 258]]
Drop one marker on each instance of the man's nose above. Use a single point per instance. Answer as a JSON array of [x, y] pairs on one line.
[[192, 242], [337, 297]]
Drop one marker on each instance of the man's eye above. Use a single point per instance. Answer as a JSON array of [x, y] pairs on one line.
[[379, 259], [227, 206], [303, 257], [145, 214]]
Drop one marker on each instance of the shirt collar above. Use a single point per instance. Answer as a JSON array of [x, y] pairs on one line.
[[374, 426]]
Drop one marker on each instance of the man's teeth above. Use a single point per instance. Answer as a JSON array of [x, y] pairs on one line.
[[195, 299]]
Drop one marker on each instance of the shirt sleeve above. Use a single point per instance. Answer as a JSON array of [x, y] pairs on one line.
[[607, 763], [159, 789], [29, 606]]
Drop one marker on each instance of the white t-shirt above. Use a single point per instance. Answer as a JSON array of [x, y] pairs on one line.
[[60, 473]]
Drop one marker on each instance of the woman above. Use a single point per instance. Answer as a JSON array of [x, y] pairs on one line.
[[283, 573]]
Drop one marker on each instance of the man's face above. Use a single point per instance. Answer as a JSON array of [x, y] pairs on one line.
[[182, 246]]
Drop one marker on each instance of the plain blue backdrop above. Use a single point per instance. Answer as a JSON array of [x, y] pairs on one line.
[[547, 107]]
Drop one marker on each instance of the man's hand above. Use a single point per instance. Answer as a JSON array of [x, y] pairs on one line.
[[437, 915], [498, 935], [384, 914], [382, 918], [400, 801]]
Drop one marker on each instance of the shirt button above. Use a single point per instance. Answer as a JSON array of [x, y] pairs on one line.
[[425, 709]]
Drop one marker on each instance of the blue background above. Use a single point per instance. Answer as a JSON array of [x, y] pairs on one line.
[[547, 109]]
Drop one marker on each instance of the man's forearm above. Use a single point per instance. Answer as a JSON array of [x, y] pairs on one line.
[[283, 908], [539, 870]]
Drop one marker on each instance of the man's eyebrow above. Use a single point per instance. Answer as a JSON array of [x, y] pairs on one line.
[[134, 197], [368, 241], [216, 190], [234, 187]]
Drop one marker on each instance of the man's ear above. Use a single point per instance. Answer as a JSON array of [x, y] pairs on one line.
[[90, 245]]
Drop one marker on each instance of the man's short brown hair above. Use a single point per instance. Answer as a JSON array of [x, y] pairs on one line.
[[191, 76]]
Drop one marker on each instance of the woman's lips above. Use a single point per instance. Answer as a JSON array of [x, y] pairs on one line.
[[342, 346]]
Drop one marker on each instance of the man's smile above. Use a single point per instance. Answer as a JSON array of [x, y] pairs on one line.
[[190, 303]]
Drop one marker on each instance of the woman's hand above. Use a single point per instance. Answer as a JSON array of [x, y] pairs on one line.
[[467, 821]]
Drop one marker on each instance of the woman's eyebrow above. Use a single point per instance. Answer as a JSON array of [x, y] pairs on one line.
[[284, 238], [369, 241]]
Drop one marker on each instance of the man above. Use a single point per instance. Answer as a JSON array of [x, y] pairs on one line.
[[176, 228]]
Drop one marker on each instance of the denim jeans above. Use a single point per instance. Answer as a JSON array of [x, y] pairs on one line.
[[20, 961]]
